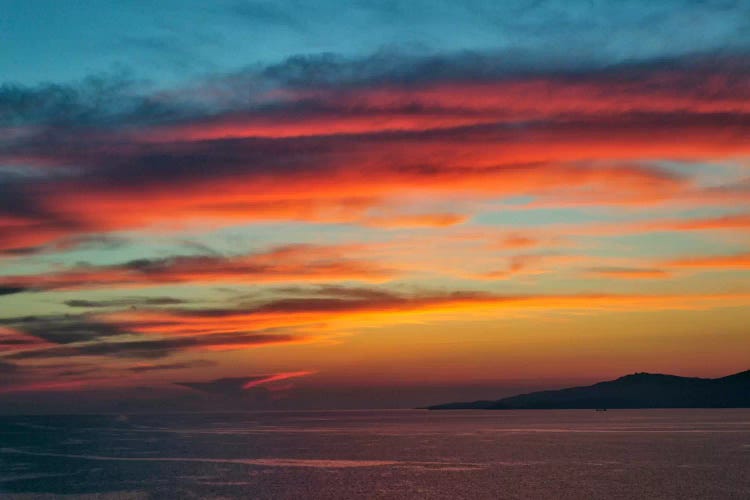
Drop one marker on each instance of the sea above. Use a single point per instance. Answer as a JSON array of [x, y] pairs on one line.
[[398, 454]]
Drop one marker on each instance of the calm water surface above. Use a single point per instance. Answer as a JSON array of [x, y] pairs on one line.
[[380, 454]]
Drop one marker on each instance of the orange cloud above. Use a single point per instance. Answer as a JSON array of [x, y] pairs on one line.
[[738, 261], [418, 220], [629, 272], [738, 221], [719, 223], [516, 240]]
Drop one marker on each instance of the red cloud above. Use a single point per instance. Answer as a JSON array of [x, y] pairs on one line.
[[275, 378]]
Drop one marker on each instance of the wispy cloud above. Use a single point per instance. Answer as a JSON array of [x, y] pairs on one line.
[[149, 367], [236, 385], [305, 263], [629, 272], [736, 261]]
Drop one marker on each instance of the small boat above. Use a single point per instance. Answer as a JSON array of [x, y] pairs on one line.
[[601, 409]]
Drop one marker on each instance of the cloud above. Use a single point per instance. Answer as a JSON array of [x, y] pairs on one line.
[[13, 340], [519, 240], [153, 348], [527, 265], [132, 302], [44, 386], [554, 232], [736, 261], [667, 268], [98, 101], [224, 386], [141, 368], [418, 220], [61, 329], [275, 378], [16, 377], [54, 336], [237, 385], [77, 372], [303, 316], [629, 272], [736, 221], [279, 264], [307, 130], [340, 292], [330, 310]]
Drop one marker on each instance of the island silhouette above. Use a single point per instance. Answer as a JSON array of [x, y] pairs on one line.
[[638, 390]]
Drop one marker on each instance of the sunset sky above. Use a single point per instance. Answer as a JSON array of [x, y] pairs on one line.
[[292, 204]]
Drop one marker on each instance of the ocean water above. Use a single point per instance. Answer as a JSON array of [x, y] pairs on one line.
[[575, 454]]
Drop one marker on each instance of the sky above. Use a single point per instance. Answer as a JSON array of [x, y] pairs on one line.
[[297, 205]]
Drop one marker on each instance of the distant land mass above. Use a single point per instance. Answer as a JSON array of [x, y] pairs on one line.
[[639, 390]]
